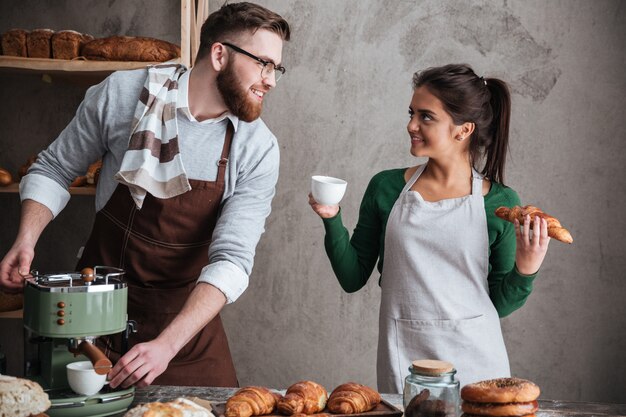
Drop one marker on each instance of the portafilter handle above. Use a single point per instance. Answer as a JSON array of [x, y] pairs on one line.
[[101, 364]]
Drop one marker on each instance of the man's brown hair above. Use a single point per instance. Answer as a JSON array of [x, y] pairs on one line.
[[236, 18]]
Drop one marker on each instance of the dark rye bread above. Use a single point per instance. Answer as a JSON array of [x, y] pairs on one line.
[[38, 43], [14, 43], [67, 44]]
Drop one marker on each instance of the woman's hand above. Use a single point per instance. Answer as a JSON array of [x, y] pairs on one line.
[[531, 251], [325, 212]]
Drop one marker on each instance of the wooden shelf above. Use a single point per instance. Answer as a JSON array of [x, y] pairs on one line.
[[88, 190], [193, 13], [76, 71], [63, 66]]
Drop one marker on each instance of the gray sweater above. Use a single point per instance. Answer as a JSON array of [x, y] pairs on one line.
[[101, 129]]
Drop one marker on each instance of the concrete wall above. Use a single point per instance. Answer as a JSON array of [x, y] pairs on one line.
[[341, 110]]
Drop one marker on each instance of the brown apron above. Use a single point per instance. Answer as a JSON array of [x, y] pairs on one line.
[[163, 248]]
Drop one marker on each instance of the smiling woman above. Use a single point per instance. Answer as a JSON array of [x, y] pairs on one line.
[[451, 266]]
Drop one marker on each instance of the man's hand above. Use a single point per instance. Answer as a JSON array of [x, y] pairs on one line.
[[146, 361], [14, 267], [141, 365], [16, 263]]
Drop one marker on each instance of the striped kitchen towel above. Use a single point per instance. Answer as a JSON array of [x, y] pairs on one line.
[[152, 162]]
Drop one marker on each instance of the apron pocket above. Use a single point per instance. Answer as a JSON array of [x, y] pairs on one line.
[[473, 345], [434, 339]]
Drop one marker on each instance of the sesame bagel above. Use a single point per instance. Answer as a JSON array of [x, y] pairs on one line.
[[500, 410], [501, 390]]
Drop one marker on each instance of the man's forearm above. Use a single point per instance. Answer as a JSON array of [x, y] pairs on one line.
[[34, 219], [203, 304]]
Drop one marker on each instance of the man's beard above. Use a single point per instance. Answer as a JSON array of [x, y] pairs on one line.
[[236, 98]]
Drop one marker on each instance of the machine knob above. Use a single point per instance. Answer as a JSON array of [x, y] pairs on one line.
[[87, 275], [61, 304], [60, 322], [60, 313]]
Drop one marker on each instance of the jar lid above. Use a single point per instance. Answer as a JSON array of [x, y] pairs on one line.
[[432, 367]]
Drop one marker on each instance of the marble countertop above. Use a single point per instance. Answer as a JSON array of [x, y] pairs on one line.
[[547, 408]]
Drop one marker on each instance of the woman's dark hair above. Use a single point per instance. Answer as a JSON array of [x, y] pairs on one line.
[[486, 102], [233, 19]]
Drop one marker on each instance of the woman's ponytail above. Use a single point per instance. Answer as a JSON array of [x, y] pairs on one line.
[[495, 151]]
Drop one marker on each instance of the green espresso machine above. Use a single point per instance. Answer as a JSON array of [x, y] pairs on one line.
[[64, 314]]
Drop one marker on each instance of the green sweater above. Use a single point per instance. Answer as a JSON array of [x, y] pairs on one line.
[[353, 259]]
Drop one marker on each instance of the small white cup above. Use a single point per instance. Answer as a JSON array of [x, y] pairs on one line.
[[83, 379], [327, 191]]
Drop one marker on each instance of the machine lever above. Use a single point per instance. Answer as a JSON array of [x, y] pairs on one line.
[[101, 364]]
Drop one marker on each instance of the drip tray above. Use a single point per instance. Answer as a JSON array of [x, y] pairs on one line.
[[66, 403]]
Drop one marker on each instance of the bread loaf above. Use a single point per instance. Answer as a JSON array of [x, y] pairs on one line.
[[180, 407], [38, 43], [130, 48], [21, 397], [14, 43], [306, 397], [67, 44]]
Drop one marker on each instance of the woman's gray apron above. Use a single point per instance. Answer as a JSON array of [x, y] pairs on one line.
[[435, 298]]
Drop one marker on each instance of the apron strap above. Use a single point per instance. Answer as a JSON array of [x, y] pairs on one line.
[[414, 178], [221, 164], [477, 184]]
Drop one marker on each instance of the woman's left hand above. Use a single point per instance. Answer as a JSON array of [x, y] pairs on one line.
[[531, 251]]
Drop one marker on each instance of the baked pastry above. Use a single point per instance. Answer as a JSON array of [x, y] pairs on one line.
[[180, 407], [38, 43], [130, 48], [513, 409], [251, 401], [555, 230], [14, 42], [66, 44], [500, 397], [304, 397], [501, 390], [21, 397], [352, 398], [5, 177]]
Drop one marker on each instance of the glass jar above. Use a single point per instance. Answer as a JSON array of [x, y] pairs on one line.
[[431, 390]]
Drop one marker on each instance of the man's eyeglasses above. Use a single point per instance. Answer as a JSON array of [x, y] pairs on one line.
[[268, 69]]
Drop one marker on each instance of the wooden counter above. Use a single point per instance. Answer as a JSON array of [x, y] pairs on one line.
[[547, 408]]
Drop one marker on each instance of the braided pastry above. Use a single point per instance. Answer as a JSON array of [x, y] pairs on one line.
[[304, 397], [352, 398], [251, 401], [555, 230]]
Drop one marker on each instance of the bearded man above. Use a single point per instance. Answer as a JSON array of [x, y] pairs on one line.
[[189, 171]]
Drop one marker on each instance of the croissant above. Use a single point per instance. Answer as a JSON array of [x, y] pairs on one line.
[[352, 398], [251, 401], [304, 397], [555, 230]]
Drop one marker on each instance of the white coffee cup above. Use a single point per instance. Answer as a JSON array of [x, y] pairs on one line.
[[327, 191], [83, 379]]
